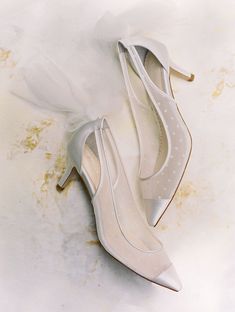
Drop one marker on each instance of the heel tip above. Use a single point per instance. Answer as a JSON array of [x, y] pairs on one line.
[[59, 188], [191, 77]]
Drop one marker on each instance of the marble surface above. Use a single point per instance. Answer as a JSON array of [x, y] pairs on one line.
[[50, 258]]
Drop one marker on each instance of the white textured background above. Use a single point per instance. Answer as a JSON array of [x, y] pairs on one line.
[[49, 256]]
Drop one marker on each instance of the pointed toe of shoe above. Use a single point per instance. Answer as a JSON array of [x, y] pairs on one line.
[[154, 209], [169, 279]]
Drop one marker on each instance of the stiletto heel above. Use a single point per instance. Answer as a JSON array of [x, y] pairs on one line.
[[181, 72], [66, 177]]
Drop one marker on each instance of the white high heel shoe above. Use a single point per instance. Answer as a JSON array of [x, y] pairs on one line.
[[146, 69], [92, 152]]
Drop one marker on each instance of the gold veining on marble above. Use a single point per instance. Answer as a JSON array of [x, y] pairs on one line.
[[48, 176], [33, 135], [48, 155], [186, 190], [218, 89], [93, 242], [55, 172], [60, 164], [30, 139], [163, 227], [4, 55], [6, 58], [223, 75]]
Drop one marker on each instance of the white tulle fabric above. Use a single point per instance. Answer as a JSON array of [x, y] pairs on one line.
[[66, 52]]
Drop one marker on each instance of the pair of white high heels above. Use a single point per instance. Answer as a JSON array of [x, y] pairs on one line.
[[164, 152]]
